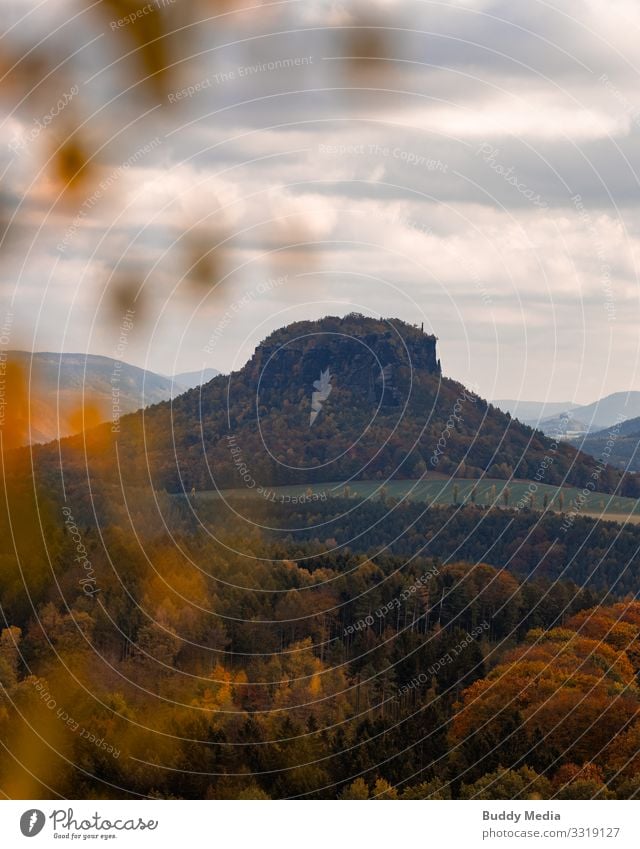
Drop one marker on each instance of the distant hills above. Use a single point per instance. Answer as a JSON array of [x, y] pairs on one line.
[[623, 444], [604, 413], [384, 410], [564, 425], [191, 379], [555, 417], [532, 412], [61, 385]]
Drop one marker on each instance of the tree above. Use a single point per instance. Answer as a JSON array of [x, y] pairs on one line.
[[356, 790], [521, 783], [585, 782], [383, 790], [9, 657], [573, 693], [434, 789]]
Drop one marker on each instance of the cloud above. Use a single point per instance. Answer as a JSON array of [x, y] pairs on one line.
[[442, 182]]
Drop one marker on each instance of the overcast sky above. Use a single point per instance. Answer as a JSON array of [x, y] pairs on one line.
[[476, 173]]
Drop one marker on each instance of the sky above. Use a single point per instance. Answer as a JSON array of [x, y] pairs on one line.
[[469, 165]]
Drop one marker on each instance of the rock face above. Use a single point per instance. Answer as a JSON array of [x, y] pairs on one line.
[[371, 361], [352, 340]]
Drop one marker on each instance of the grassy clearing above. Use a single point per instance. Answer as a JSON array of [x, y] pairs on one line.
[[438, 489]]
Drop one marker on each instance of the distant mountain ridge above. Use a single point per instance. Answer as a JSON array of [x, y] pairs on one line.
[[190, 379], [556, 417], [605, 412], [622, 442], [563, 425], [629, 427], [61, 385], [532, 411]]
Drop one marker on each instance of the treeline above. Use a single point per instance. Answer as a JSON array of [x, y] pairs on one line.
[[590, 552]]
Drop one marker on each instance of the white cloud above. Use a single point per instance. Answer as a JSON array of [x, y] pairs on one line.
[[518, 295]]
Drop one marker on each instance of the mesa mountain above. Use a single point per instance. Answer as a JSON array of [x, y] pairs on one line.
[[384, 410]]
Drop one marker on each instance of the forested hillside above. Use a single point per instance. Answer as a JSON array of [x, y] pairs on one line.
[[624, 452], [528, 543], [186, 669], [386, 412]]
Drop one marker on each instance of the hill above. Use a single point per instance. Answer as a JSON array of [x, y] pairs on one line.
[[61, 385], [604, 413], [597, 416], [191, 379], [625, 448], [630, 427], [564, 425], [531, 412], [335, 399]]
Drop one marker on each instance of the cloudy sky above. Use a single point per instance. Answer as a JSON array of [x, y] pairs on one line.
[[469, 165]]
